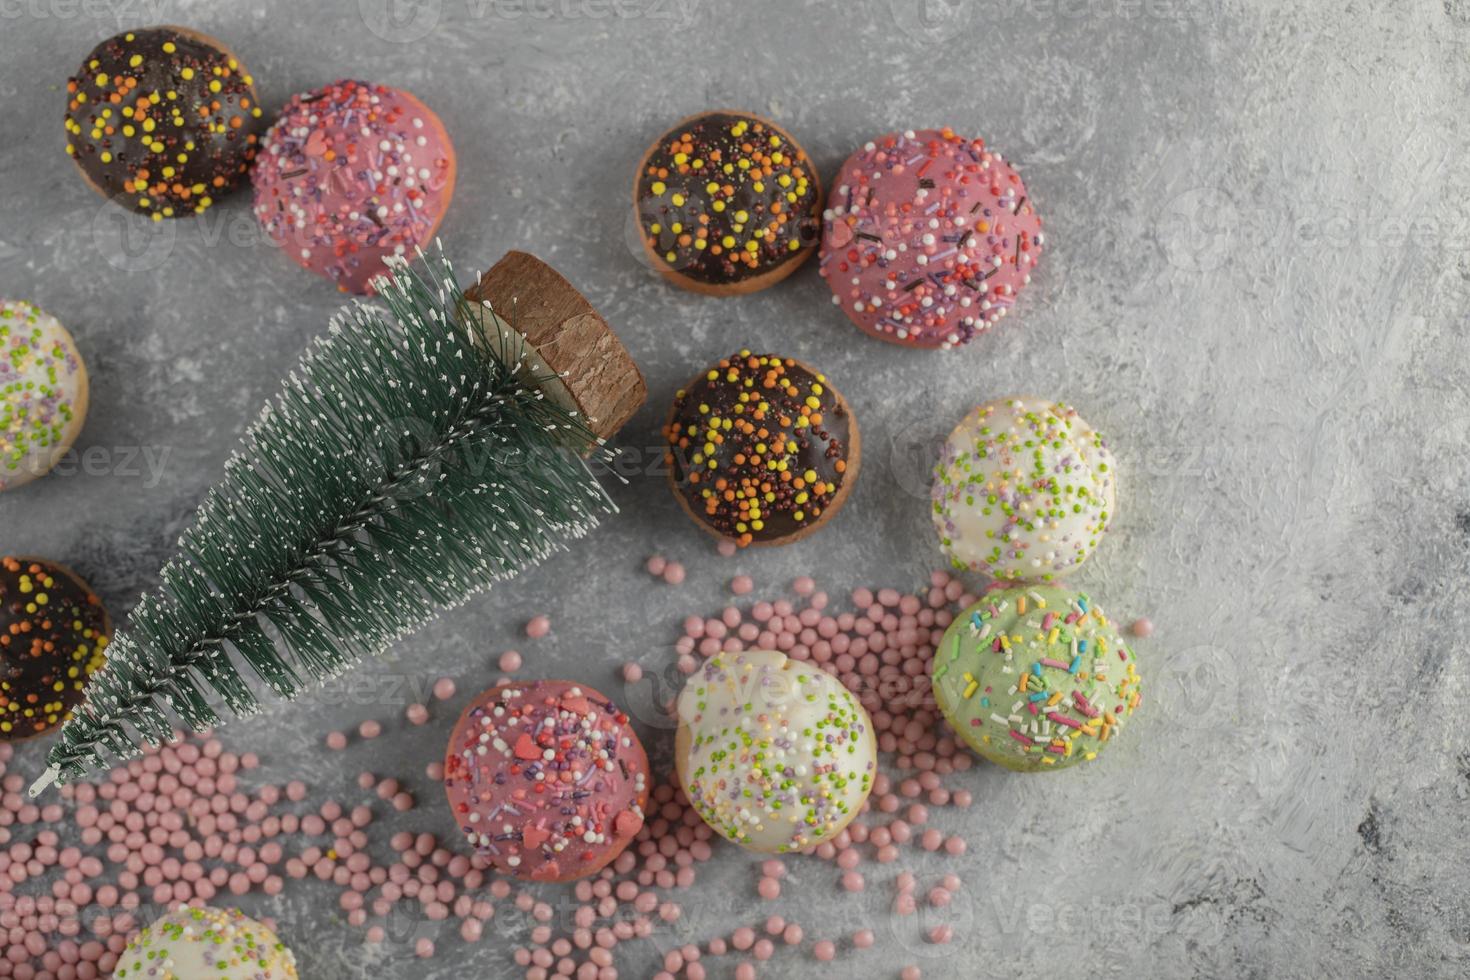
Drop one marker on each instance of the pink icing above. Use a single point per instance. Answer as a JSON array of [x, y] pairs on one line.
[[938, 234], [351, 174], [560, 786]]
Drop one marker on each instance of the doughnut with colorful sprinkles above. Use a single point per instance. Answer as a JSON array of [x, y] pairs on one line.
[[1023, 490], [352, 174], [727, 203], [761, 449], [44, 393], [928, 238], [206, 943], [1035, 678], [547, 779], [53, 635], [162, 120], [775, 754]]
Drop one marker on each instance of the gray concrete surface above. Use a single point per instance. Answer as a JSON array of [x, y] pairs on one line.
[[1256, 281]]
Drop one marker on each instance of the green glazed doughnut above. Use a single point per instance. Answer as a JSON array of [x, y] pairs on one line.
[[1035, 678]]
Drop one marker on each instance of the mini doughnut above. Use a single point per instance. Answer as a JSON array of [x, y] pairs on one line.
[[761, 449], [775, 754], [928, 238], [1035, 678], [43, 393], [162, 120], [726, 203], [352, 174], [1023, 490], [547, 779], [205, 944], [53, 634]]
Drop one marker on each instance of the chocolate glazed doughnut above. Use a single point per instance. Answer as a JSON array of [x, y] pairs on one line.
[[53, 632], [761, 449], [727, 203], [162, 120]]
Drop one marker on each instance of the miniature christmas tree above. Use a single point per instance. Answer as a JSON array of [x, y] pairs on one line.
[[412, 459]]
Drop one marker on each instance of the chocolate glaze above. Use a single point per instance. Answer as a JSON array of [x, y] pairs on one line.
[[759, 401], [162, 120], [714, 141], [53, 631]]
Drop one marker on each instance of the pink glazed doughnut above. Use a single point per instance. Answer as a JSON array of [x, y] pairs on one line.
[[547, 779], [350, 175], [928, 238]]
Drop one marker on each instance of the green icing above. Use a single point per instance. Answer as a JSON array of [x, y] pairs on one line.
[[1083, 672]]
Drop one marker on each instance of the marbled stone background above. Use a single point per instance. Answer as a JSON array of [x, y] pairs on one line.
[[1255, 284]]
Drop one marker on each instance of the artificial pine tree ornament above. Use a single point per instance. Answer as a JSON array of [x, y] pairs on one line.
[[414, 457]]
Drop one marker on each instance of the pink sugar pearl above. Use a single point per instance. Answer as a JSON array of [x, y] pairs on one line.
[[863, 938], [742, 585], [538, 626], [727, 548], [444, 688], [825, 950], [370, 729], [769, 888], [910, 973], [655, 565], [941, 934], [336, 741], [674, 573], [416, 714], [1142, 627], [632, 673], [510, 661]]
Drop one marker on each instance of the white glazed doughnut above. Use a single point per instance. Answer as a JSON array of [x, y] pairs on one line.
[[775, 754], [1023, 490], [43, 392]]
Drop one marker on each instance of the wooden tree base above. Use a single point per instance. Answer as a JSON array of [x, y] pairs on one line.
[[568, 336]]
